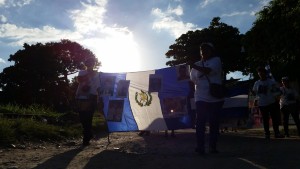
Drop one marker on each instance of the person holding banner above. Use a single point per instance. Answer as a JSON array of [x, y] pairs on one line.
[[208, 107], [87, 97], [267, 92]]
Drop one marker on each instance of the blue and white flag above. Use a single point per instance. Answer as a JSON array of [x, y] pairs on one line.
[[147, 100], [156, 100]]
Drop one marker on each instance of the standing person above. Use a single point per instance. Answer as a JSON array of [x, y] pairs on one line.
[[267, 92], [288, 105], [207, 106], [86, 96]]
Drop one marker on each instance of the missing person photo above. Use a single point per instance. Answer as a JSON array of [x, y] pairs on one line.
[[107, 85], [183, 73], [155, 83], [115, 110], [174, 106], [122, 88]]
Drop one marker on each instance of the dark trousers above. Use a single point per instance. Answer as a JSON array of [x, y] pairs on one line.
[[286, 111], [86, 118], [207, 112], [272, 110]]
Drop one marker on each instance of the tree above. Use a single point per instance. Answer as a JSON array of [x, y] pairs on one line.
[[274, 38], [227, 41], [40, 72]]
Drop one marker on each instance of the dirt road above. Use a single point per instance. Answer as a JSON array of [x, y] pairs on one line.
[[245, 149]]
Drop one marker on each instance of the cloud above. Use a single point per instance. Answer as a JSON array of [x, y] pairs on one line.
[[20, 35], [170, 21], [206, 3], [2, 60], [14, 3], [88, 23], [259, 7], [235, 14], [2, 2], [108, 43], [90, 19], [3, 19]]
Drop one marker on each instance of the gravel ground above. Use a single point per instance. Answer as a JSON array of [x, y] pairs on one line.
[[244, 149]]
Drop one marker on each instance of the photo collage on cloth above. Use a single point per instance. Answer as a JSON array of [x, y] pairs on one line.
[[174, 106], [115, 106], [115, 110], [155, 83], [183, 73]]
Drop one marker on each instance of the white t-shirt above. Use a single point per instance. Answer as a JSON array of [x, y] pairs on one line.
[[202, 85], [93, 82], [266, 91], [288, 96]]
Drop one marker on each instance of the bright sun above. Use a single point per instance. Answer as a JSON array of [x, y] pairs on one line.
[[117, 53]]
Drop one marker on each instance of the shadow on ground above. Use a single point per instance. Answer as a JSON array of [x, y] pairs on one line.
[[128, 150], [236, 152]]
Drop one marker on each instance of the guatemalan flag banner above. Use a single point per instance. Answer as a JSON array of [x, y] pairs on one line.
[[147, 100]]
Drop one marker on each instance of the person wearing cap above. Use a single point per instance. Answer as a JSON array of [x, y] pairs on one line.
[[208, 107], [86, 97], [288, 105], [267, 92]]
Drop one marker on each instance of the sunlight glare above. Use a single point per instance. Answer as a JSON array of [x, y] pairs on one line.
[[117, 53]]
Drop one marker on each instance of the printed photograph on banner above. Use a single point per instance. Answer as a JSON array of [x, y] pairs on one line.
[[115, 110], [183, 73], [122, 88], [174, 106], [107, 85], [155, 82]]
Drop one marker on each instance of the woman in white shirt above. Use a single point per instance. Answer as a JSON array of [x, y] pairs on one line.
[[208, 107]]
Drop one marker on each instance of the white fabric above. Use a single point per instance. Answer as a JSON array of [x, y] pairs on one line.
[[266, 91], [147, 117], [93, 82], [202, 86], [288, 96]]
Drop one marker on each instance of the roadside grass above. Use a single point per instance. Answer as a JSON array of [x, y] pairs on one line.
[[37, 123]]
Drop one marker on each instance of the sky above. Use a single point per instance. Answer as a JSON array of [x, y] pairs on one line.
[[125, 35]]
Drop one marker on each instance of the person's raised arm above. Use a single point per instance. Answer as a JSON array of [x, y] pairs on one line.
[[205, 70]]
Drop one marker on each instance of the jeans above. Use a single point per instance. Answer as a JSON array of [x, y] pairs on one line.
[[272, 110], [207, 111], [86, 118], [286, 111]]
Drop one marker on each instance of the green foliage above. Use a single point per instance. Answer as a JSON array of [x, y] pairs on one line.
[[21, 128], [274, 38], [226, 39], [40, 73], [33, 110], [7, 132]]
